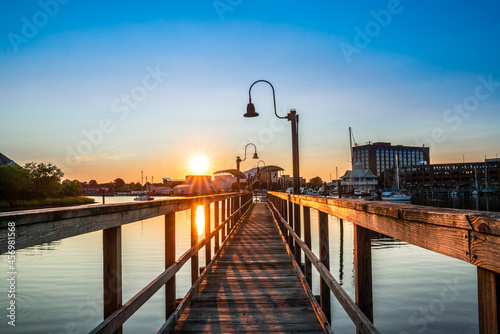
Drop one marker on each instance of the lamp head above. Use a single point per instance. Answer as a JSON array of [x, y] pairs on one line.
[[255, 156], [250, 111]]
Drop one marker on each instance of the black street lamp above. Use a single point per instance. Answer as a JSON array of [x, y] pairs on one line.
[[239, 160], [294, 120]]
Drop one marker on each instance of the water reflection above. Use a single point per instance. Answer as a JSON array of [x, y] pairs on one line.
[[469, 202], [200, 220]]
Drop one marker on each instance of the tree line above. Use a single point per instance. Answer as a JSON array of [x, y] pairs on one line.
[[35, 181]]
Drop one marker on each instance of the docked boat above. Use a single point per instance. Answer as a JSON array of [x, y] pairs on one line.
[[396, 195], [145, 196]]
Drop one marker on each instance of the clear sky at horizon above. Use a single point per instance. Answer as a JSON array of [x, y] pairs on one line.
[[105, 90]]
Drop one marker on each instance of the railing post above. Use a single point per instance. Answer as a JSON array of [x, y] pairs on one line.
[[194, 241], [228, 226], [112, 270], [223, 218], [285, 217], [169, 260], [307, 240], [208, 246], [363, 270], [216, 224], [324, 256], [488, 294], [296, 225], [290, 222]]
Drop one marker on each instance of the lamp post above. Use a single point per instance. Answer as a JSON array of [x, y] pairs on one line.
[[239, 160], [294, 120]]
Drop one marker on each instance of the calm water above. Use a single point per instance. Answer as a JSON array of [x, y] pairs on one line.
[[59, 285]]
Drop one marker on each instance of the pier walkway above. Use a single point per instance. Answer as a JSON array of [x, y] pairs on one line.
[[257, 273], [252, 287]]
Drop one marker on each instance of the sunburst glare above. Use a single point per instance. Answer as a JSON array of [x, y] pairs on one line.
[[199, 164]]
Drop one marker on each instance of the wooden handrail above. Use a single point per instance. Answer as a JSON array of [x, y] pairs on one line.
[[116, 320], [352, 310], [34, 227], [470, 236]]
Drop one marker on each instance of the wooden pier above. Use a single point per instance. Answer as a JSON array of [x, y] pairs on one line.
[[252, 287], [254, 280]]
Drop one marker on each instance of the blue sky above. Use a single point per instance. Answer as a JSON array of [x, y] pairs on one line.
[[107, 90]]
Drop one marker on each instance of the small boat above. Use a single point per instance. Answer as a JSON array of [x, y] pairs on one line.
[[396, 195], [145, 196]]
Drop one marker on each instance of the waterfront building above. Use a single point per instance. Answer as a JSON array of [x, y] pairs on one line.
[[224, 179], [271, 174], [359, 178], [462, 174], [381, 156]]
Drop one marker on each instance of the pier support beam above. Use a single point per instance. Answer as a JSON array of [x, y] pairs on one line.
[[194, 241], [112, 270], [363, 270], [488, 293], [307, 240], [169, 260], [208, 247], [324, 256]]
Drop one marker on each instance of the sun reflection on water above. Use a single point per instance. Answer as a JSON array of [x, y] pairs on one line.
[[200, 220]]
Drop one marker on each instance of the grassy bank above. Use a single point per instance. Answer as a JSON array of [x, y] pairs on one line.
[[44, 203]]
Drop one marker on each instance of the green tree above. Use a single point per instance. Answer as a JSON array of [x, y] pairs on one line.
[[71, 188], [119, 183], [15, 183], [46, 179], [316, 182]]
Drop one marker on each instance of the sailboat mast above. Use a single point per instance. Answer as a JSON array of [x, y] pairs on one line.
[[352, 158]]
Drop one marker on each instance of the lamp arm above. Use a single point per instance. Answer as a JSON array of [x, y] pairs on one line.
[[274, 97], [246, 150]]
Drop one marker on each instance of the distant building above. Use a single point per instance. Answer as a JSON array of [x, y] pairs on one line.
[[4, 160], [199, 185], [224, 179], [453, 174], [381, 156], [271, 174]]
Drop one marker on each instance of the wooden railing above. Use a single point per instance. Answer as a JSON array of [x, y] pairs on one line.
[[466, 235], [40, 226]]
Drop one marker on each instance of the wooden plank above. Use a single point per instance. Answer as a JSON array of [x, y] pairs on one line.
[[170, 296], [247, 276], [112, 271], [324, 256], [223, 219], [488, 292], [363, 270]]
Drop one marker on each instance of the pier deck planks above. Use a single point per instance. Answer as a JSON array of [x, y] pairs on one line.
[[252, 287]]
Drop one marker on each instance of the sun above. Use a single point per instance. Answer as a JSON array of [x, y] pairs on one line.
[[199, 164]]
